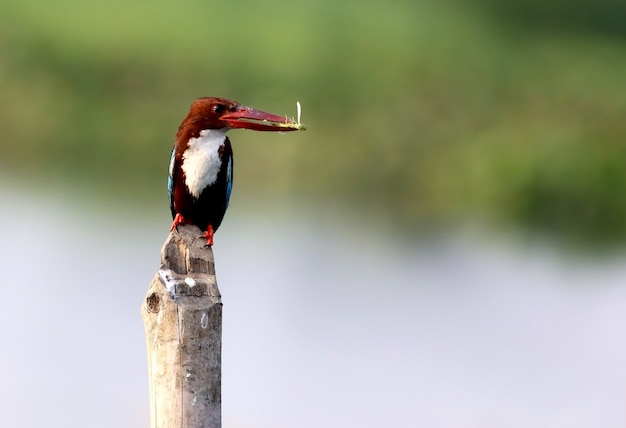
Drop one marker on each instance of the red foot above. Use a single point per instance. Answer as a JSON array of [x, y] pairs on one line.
[[208, 234], [179, 219]]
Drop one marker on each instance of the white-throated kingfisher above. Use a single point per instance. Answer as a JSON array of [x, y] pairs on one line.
[[201, 167]]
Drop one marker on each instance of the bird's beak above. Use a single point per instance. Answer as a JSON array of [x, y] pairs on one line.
[[249, 118]]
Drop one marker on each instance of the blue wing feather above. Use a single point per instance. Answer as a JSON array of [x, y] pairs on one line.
[[170, 182], [229, 180]]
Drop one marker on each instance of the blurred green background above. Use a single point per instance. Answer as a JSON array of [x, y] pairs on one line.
[[421, 114]]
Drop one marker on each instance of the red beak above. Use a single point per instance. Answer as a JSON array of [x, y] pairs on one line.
[[257, 120]]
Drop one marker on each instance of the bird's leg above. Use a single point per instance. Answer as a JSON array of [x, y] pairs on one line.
[[179, 219], [208, 234]]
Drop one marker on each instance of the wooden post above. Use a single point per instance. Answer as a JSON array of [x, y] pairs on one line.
[[182, 315]]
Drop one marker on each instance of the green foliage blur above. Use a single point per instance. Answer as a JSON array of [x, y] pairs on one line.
[[422, 113]]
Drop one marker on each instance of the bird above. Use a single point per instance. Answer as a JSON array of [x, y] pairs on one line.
[[200, 178]]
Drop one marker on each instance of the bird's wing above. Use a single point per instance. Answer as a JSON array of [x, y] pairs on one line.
[[170, 181], [229, 180]]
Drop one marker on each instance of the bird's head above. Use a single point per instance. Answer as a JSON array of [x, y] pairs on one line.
[[222, 113]]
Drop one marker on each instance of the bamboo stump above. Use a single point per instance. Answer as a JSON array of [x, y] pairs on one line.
[[182, 316]]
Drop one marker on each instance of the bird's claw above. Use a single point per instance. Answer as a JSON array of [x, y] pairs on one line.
[[208, 234], [178, 220]]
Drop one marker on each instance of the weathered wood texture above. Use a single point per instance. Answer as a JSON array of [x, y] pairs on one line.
[[182, 315]]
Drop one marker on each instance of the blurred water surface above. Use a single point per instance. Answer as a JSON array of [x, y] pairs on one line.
[[327, 323]]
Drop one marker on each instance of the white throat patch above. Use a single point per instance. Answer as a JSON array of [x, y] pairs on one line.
[[201, 160]]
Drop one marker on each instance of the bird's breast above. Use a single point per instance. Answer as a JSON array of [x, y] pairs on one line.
[[201, 160]]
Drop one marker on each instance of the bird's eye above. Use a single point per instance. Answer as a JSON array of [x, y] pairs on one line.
[[219, 108]]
